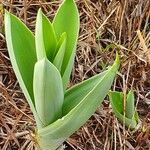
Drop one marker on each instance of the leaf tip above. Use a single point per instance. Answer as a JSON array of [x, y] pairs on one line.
[[39, 13], [117, 58], [117, 61], [7, 19], [7, 14]]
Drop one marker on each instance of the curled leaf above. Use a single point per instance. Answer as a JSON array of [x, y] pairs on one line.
[[48, 91], [45, 37], [116, 100]]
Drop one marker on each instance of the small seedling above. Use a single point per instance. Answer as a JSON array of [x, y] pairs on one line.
[[125, 113]]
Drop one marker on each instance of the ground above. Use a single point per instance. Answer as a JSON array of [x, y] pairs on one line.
[[106, 26]]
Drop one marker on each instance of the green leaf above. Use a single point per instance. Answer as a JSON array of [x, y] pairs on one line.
[[60, 54], [117, 101], [53, 135], [45, 37], [75, 94], [67, 20], [21, 48], [48, 91], [115, 96], [130, 109]]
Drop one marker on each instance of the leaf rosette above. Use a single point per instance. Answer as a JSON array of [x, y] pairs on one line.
[[43, 63]]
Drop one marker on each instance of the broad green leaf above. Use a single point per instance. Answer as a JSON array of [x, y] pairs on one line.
[[130, 109], [60, 54], [45, 37], [53, 135], [21, 48], [129, 122], [118, 100], [75, 94], [67, 20], [48, 91]]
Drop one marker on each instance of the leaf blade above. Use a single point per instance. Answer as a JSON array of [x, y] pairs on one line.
[[75, 94], [48, 91], [117, 98], [45, 37], [130, 110], [18, 35], [62, 24], [58, 60]]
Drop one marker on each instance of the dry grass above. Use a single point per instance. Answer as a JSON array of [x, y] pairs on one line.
[[107, 26]]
